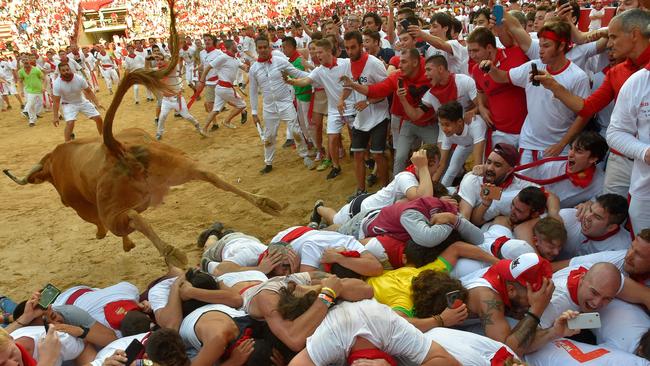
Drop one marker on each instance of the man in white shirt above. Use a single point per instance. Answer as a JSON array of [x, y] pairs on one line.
[[439, 37], [596, 15], [629, 133], [68, 92], [227, 66], [207, 55], [575, 178], [91, 65], [132, 62], [8, 75], [567, 352], [108, 69], [187, 59], [329, 74], [267, 74], [248, 48], [497, 171], [549, 126]]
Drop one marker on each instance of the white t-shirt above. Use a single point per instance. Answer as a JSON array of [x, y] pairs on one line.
[[569, 194], [134, 63], [70, 92], [71, 347], [469, 349], [615, 257], [578, 244], [622, 325], [242, 250], [561, 300], [344, 323], [330, 79], [393, 192], [578, 54], [629, 129], [548, 120], [470, 191], [226, 66], [248, 46], [472, 134], [206, 58], [105, 61], [373, 72], [187, 55], [567, 352], [595, 24], [311, 245], [159, 294], [456, 61], [6, 71], [118, 344], [466, 87]]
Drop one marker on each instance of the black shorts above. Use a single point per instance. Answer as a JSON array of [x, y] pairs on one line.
[[376, 137]]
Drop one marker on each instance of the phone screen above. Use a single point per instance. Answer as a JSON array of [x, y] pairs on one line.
[[534, 72], [133, 350], [451, 299], [405, 24], [48, 295]]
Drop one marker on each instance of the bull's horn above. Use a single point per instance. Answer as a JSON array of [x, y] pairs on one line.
[[23, 181]]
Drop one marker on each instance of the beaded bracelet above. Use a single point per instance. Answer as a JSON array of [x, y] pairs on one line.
[[438, 318], [326, 299], [330, 292]]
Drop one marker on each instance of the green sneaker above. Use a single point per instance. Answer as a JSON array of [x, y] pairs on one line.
[[326, 163]]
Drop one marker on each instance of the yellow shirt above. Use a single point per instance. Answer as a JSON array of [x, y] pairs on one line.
[[393, 288]]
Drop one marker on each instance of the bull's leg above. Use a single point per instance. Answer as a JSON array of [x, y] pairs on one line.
[[101, 231], [263, 203], [173, 256], [127, 243]]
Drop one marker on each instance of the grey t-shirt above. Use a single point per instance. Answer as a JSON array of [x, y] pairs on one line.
[[73, 315]]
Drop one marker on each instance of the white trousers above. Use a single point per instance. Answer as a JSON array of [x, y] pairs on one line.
[[172, 104], [110, 77], [617, 174], [271, 124], [639, 214], [303, 119], [33, 105]]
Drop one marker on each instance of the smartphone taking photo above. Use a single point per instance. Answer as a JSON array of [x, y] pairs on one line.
[[491, 192], [48, 295], [585, 321], [133, 350], [534, 73]]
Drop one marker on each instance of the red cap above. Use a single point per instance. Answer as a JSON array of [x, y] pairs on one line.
[[528, 268]]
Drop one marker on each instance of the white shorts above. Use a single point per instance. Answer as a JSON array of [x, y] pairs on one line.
[[335, 125], [8, 89], [342, 216], [70, 110], [223, 95], [186, 330]]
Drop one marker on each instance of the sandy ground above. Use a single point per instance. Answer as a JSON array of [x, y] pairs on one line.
[[42, 241]]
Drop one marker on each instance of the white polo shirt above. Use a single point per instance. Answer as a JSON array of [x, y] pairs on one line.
[[629, 129], [569, 194], [373, 72], [70, 92], [330, 79], [578, 244], [470, 191], [548, 119]]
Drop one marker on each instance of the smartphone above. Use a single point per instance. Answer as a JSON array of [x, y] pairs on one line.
[[561, 2], [453, 299], [497, 10], [48, 295], [492, 192], [534, 73], [585, 321], [46, 325], [149, 52], [400, 83], [485, 68], [133, 350], [405, 24]]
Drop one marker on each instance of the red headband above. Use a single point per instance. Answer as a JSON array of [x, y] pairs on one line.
[[549, 34]]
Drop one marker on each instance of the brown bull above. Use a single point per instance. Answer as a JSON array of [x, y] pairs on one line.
[[110, 180]]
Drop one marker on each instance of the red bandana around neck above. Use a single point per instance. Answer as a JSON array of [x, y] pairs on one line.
[[230, 54], [497, 245], [333, 64], [67, 78], [132, 55], [506, 183], [573, 282], [446, 93], [358, 66], [500, 357], [370, 354], [186, 47], [28, 360], [210, 49], [294, 56], [602, 237], [263, 60]]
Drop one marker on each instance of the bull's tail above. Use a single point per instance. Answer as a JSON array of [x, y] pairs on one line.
[[153, 80]]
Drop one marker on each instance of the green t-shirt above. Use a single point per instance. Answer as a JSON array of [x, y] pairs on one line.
[[33, 81], [303, 93]]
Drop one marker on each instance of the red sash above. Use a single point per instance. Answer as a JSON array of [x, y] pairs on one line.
[[116, 310], [371, 354], [358, 66], [225, 84], [28, 360], [500, 357], [573, 282], [77, 294], [296, 233], [497, 245], [581, 179], [446, 93]]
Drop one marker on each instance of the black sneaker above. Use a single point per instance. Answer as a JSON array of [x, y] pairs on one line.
[[370, 164], [266, 169], [356, 194], [335, 172], [214, 229], [315, 217], [72, 136], [371, 179], [289, 143], [215, 126], [26, 114], [244, 116]]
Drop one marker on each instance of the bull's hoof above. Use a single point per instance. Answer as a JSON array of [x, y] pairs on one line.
[[268, 205], [175, 257], [101, 233], [127, 244]]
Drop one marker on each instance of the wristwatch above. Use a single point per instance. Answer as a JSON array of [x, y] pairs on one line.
[[85, 332]]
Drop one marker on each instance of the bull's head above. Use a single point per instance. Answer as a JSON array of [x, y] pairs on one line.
[[26, 179]]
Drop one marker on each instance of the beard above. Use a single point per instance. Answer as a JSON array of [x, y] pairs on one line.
[[67, 77]]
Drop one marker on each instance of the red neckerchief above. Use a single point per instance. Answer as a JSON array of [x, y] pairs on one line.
[[294, 56], [446, 93], [500, 357], [263, 60], [580, 179], [52, 65], [210, 49], [506, 183], [573, 282], [358, 66], [371, 354], [602, 237], [67, 79], [606, 69], [103, 53], [643, 59], [186, 47], [497, 245], [28, 360], [246, 334], [331, 65], [495, 279], [230, 54], [411, 169], [348, 253], [132, 56], [647, 67]]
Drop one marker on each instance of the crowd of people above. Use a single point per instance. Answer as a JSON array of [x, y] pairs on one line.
[[506, 226]]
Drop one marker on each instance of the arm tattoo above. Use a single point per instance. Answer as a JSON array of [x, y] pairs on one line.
[[524, 331], [486, 319], [491, 305]]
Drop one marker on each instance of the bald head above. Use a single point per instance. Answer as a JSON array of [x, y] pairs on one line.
[[599, 286]]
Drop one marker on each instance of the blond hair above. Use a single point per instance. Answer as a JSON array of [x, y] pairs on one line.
[[5, 338]]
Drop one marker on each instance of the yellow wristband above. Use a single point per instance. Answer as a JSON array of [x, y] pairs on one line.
[[330, 291]]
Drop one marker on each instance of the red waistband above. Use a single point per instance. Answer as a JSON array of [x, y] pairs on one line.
[[77, 294], [214, 78], [241, 292], [107, 66], [225, 84]]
